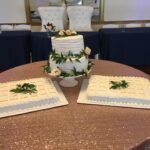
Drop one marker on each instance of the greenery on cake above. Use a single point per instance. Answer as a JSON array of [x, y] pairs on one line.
[[60, 58], [119, 84], [57, 72], [25, 88]]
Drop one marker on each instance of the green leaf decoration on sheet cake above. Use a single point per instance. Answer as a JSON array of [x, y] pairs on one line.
[[25, 88], [119, 84]]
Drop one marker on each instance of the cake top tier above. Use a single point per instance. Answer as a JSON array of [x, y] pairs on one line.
[[66, 42], [138, 87]]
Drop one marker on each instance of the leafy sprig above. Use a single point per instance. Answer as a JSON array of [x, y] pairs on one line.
[[90, 65], [73, 73], [47, 68], [119, 85], [25, 88], [60, 58]]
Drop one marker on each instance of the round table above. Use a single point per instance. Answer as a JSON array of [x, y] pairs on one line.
[[75, 126]]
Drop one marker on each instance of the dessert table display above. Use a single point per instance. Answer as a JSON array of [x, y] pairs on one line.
[[125, 45], [75, 126], [15, 49]]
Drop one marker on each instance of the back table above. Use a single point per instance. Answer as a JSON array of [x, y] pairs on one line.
[[14, 49], [75, 126], [130, 46]]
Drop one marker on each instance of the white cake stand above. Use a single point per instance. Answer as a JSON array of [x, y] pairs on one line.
[[69, 81]]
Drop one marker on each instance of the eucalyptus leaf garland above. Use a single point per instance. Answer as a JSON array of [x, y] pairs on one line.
[[73, 72], [60, 58]]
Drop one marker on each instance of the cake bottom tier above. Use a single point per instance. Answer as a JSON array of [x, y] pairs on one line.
[[70, 65]]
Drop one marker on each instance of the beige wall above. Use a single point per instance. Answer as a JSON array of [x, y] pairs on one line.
[[12, 11], [122, 10]]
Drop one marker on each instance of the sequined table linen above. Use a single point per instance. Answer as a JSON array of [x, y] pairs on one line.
[[76, 126]]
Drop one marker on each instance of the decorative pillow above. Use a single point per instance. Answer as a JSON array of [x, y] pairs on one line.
[[147, 24], [80, 18], [6, 27], [133, 25], [52, 14], [22, 27], [110, 26]]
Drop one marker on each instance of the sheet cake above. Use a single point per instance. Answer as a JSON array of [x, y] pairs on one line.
[[14, 103], [97, 90]]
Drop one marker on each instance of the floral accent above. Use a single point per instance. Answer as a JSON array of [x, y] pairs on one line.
[[65, 33], [55, 72], [68, 32], [50, 27], [61, 32], [87, 51]]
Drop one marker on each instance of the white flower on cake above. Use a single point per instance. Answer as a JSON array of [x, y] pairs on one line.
[[49, 28], [61, 32], [68, 32], [55, 72], [87, 51]]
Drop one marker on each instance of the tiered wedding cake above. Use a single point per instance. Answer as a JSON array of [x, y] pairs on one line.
[[69, 56]]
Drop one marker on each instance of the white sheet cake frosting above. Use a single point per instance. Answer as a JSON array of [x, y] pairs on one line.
[[45, 97], [137, 92]]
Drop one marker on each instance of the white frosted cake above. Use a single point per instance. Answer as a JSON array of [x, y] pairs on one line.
[[12, 103], [64, 45], [137, 92], [69, 54]]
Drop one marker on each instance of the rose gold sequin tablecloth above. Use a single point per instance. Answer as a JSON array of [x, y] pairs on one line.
[[76, 126]]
